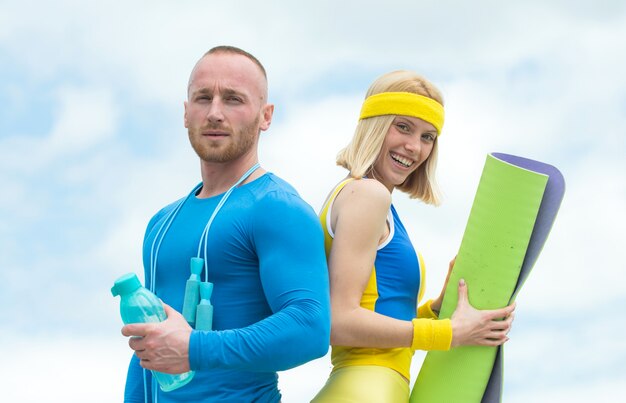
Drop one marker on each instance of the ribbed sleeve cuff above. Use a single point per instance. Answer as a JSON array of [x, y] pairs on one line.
[[426, 311], [429, 334]]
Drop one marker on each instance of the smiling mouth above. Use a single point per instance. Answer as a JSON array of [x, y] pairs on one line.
[[405, 162]]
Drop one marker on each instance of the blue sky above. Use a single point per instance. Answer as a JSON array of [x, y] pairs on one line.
[[92, 144]]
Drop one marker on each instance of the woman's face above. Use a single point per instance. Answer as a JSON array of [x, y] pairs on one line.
[[408, 143]]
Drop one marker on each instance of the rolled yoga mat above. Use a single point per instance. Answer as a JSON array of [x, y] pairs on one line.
[[513, 211]]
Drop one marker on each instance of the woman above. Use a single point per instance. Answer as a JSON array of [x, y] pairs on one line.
[[375, 274]]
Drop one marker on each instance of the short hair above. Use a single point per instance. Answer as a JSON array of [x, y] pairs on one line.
[[363, 150], [230, 50], [238, 51]]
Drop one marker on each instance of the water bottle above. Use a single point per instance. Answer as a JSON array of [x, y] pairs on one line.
[[139, 305]]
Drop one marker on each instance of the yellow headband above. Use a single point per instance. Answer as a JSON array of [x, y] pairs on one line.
[[406, 104]]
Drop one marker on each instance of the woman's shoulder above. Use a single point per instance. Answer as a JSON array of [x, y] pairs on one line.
[[365, 191], [368, 187]]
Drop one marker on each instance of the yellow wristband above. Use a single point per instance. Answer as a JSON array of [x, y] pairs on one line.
[[429, 334]]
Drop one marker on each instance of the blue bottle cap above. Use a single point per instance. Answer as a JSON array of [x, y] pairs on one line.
[[125, 284]]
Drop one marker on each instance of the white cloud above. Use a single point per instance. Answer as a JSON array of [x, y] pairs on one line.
[[86, 118], [83, 119], [601, 390], [63, 370], [303, 148], [539, 80], [556, 355], [301, 384]]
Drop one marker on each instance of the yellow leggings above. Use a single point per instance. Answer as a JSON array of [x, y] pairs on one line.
[[364, 384]]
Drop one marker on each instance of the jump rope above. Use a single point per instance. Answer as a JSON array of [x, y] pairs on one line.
[[197, 308]]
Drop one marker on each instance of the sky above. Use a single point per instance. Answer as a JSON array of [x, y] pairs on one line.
[[92, 144]]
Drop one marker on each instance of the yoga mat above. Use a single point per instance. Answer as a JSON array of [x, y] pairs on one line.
[[513, 211]]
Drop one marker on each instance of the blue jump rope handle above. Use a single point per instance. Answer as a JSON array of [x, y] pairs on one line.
[[192, 291], [204, 313]]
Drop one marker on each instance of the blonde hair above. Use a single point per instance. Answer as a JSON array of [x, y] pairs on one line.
[[364, 148]]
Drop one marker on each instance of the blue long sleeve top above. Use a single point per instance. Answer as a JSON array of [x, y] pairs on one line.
[[271, 300]]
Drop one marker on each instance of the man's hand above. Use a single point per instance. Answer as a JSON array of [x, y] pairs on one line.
[[162, 346]]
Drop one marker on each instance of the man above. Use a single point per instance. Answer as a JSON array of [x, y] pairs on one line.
[[263, 248]]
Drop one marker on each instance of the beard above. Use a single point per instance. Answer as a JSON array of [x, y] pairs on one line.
[[238, 144]]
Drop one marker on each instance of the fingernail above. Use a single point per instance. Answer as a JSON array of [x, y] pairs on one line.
[[462, 281]]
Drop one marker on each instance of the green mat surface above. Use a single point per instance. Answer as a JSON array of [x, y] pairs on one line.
[[513, 211]]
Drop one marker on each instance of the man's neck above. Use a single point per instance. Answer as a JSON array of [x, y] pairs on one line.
[[218, 177]]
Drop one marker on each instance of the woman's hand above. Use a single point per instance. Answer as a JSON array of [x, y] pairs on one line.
[[471, 326], [436, 304]]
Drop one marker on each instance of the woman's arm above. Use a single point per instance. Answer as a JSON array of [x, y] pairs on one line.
[[358, 218], [359, 222]]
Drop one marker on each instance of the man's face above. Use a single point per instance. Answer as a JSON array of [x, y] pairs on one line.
[[226, 107]]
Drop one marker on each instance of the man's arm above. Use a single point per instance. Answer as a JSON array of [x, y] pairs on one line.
[[294, 276], [290, 248]]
